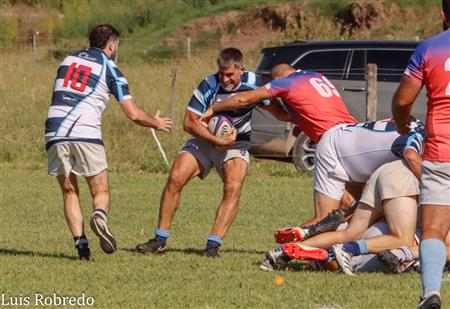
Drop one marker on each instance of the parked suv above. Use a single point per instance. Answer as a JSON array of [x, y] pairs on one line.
[[344, 63]]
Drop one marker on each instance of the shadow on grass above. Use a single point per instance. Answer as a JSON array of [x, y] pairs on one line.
[[196, 251], [14, 252]]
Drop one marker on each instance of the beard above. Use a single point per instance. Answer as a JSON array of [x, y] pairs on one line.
[[228, 87]]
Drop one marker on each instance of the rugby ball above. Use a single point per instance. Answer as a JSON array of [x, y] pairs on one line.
[[219, 125]]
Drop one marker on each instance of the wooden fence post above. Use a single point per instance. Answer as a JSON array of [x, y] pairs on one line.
[[34, 43], [189, 49], [173, 96], [371, 94]]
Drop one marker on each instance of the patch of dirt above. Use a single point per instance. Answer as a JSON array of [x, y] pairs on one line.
[[254, 28]]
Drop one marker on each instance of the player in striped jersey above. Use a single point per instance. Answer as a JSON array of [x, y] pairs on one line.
[[228, 155], [84, 81], [429, 66]]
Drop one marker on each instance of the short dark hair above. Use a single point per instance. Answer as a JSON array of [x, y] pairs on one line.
[[229, 56], [100, 35], [446, 9]]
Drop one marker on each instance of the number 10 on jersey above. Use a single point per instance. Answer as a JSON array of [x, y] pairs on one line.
[[73, 75]]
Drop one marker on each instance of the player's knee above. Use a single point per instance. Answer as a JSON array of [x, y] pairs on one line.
[[176, 181], [232, 189], [70, 190], [433, 232]]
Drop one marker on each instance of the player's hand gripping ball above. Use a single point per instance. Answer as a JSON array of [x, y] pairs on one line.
[[220, 125]]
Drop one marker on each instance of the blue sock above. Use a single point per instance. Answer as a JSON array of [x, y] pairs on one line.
[[432, 261], [162, 235], [214, 241], [356, 247], [362, 246]]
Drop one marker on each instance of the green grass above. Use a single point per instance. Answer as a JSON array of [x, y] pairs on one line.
[[36, 253]]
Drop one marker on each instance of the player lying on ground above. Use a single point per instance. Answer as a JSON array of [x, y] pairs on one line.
[[391, 192], [397, 261]]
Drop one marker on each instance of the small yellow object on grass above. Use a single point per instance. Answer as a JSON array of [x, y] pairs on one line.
[[279, 280]]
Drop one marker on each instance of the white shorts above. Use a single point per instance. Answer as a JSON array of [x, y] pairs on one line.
[[210, 157], [391, 180], [79, 158], [329, 174], [435, 183]]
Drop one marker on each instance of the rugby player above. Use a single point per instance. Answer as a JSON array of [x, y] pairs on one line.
[[430, 66], [204, 151], [73, 136]]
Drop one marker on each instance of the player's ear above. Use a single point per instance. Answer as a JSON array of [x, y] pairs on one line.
[[242, 70]]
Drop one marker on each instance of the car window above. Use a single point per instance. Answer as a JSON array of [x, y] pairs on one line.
[[357, 68], [391, 63], [330, 63]]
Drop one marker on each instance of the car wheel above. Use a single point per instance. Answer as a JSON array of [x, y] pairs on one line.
[[303, 153]]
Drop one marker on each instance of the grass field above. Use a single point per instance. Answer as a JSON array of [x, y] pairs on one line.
[[36, 253]]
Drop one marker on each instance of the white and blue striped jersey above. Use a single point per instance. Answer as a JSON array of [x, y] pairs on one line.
[[210, 92], [364, 147], [84, 81]]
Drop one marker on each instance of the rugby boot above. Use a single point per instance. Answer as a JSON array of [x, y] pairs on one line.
[[302, 252], [343, 258], [391, 261], [276, 259], [100, 228], [152, 246], [212, 252], [290, 234], [327, 224], [432, 301]]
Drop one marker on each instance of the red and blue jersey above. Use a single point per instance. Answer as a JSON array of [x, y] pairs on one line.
[[430, 66], [313, 101], [83, 83]]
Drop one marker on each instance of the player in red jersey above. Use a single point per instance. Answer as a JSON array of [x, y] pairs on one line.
[[430, 66]]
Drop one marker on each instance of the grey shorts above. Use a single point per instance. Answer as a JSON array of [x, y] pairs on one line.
[[391, 180], [435, 183], [210, 157], [83, 159]]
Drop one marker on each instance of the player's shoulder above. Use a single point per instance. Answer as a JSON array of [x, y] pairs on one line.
[[440, 40], [209, 82], [89, 54]]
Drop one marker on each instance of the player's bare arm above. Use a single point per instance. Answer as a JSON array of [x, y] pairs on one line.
[[277, 110], [413, 160], [403, 101], [192, 125], [238, 101], [140, 117]]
